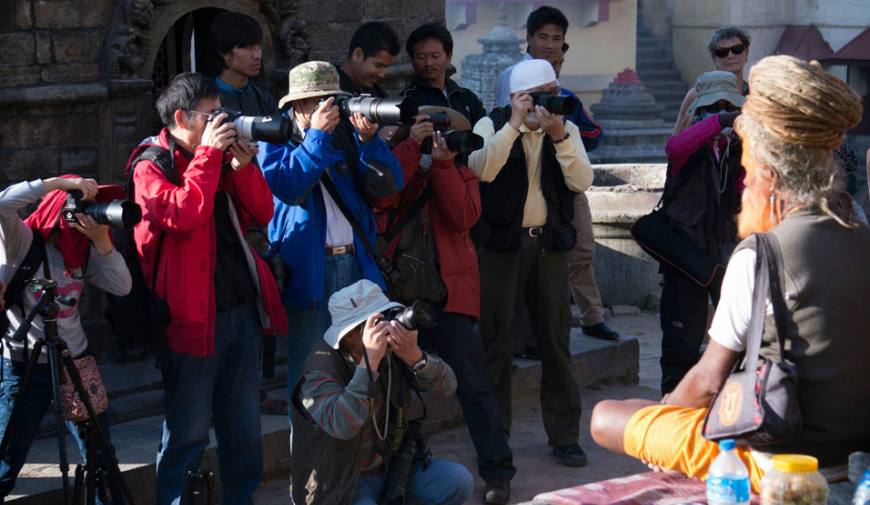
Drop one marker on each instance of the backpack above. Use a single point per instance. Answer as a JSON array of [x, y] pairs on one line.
[[141, 317], [25, 272]]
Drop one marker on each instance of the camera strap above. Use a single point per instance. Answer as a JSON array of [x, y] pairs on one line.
[[396, 226], [329, 184]]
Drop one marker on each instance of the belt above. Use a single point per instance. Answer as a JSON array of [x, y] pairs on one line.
[[339, 250], [534, 231]]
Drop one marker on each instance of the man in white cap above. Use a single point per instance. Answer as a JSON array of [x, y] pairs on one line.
[[349, 410], [531, 166]]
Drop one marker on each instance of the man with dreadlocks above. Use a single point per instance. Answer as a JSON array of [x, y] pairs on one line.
[[794, 117]]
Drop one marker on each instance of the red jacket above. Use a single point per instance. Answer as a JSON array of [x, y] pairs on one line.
[[453, 210], [187, 261]]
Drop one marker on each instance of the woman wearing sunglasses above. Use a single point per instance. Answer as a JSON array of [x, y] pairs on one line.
[[729, 50]]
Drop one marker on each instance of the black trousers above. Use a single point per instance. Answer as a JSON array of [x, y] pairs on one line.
[[542, 278], [456, 342], [683, 314]]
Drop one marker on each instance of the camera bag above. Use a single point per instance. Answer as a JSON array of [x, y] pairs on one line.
[[25, 272], [758, 404]]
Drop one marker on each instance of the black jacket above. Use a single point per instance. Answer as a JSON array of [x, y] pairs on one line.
[[503, 200], [461, 99], [346, 83]]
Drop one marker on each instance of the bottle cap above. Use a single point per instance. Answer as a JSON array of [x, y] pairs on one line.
[[795, 463], [727, 445]]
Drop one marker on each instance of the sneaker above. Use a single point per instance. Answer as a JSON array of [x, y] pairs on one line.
[[602, 331], [497, 492], [570, 455]]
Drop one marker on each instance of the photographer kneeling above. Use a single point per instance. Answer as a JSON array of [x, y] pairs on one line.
[[352, 442], [67, 252]]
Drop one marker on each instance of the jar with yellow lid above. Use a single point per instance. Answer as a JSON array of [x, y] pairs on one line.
[[794, 480]]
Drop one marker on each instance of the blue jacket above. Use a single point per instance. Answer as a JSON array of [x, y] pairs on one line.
[[298, 228]]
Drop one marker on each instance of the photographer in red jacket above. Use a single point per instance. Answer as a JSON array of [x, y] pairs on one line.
[[426, 234], [217, 290]]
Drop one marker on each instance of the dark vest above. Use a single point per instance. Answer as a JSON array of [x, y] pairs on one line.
[[703, 200], [325, 470], [504, 199], [827, 284]]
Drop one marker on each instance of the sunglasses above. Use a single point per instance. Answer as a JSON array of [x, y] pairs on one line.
[[735, 50]]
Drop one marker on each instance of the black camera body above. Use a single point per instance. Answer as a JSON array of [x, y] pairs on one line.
[[419, 314], [120, 214], [461, 142], [384, 111], [274, 129], [556, 104]]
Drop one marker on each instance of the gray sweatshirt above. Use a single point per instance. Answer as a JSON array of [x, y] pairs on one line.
[[108, 273]]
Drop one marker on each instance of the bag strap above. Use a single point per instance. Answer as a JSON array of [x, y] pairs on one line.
[[409, 214], [759, 306], [329, 184], [25, 271], [166, 163], [774, 261]]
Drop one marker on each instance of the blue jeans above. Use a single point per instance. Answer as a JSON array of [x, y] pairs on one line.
[[32, 408], [307, 325], [224, 387], [441, 483]]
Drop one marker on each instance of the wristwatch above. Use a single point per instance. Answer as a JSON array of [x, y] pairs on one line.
[[416, 367], [563, 139]]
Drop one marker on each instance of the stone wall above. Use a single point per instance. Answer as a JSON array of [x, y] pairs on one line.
[[76, 76]]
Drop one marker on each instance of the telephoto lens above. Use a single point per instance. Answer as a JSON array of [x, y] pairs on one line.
[[419, 314], [120, 214], [274, 129], [384, 111], [563, 105]]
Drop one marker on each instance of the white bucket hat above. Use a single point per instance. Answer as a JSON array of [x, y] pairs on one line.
[[351, 306], [529, 74]]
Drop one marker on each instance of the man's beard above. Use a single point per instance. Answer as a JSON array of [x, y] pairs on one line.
[[754, 214]]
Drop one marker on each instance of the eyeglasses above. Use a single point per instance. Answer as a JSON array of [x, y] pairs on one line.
[[207, 114], [735, 50]]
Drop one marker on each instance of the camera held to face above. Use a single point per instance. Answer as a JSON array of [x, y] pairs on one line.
[[120, 214], [555, 104], [461, 142], [419, 314], [274, 129]]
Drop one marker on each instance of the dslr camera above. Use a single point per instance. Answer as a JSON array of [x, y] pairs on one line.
[[555, 104], [419, 314], [274, 129], [384, 111], [461, 142], [120, 214]]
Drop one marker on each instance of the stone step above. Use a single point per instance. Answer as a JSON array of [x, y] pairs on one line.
[[658, 63], [669, 74], [595, 362], [643, 53], [668, 96], [666, 85], [650, 42]]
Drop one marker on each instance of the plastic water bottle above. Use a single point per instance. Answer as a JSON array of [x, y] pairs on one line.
[[727, 480], [862, 492]]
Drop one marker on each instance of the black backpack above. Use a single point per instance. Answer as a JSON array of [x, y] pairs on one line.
[[25, 272], [141, 317]]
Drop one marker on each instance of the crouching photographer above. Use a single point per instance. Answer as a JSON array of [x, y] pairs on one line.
[[64, 243], [352, 440]]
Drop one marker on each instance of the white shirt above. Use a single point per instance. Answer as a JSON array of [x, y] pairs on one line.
[[731, 321], [338, 229]]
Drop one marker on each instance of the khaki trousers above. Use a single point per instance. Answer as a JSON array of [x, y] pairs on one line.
[[582, 276]]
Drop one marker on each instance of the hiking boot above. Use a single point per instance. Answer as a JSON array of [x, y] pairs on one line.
[[497, 492], [602, 331], [570, 455]]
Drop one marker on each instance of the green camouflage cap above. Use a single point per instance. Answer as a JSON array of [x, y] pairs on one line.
[[714, 86], [310, 79]]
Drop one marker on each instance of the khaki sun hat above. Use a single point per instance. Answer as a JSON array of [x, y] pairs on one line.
[[714, 86], [351, 306], [458, 121], [311, 79]]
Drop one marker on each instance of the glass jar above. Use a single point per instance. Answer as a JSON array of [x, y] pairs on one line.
[[794, 480]]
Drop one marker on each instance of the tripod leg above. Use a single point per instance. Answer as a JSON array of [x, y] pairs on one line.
[[79, 486], [96, 432], [54, 365]]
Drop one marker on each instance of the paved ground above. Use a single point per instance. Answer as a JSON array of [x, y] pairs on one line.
[[537, 470]]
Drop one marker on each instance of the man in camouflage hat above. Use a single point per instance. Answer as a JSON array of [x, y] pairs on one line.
[[315, 238]]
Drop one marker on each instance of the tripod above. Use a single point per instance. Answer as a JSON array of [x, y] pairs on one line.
[[91, 475]]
